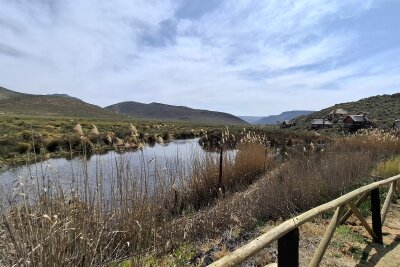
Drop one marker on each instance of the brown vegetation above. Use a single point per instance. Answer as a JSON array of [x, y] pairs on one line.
[[84, 227]]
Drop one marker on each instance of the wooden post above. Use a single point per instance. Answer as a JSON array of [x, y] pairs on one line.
[[364, 223], [386, 204], [320, 252], [288, 249], [376, 215], [220, 184], [250, 249], [357, 204]]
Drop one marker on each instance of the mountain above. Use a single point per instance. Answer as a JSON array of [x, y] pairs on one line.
[[382, 110], [63, 95], [251, 119], [16, 103], [160, 111], [287, 115], [6, 94]]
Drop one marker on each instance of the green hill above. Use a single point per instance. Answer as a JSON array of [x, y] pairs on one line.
[[158, 111], [382, 110], [14, 103]]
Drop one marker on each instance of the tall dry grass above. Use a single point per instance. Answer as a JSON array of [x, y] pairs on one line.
[[99, 220], [307, 178], [102, 220]]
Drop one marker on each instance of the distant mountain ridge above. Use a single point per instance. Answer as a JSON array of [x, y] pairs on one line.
[[56, 105], [287, 115], [251, 119], [158, 111], [63, 105], [63, 95]]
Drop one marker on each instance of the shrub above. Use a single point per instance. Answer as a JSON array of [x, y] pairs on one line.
[[152, 138], [23, 148], [107, 138], [57, 144], [131, 140], [388, 168], [166, 136], [184, 135], [26, 135], [122, 132]]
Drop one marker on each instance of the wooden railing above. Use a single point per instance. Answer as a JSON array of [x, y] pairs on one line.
[[287, 233]]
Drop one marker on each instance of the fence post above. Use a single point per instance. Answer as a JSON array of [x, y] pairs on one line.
[[376, 215], [323, 245], [288, 249], [221, 153]]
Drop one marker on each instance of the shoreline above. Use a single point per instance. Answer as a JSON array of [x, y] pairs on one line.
[[29, 158]]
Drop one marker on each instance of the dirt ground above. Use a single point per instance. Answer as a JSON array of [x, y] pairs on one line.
[[351, 244]]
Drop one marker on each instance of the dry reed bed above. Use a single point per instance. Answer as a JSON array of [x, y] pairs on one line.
[[42, 224], [50, 227]]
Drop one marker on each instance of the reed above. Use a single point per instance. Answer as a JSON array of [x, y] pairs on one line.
[[101, 220]]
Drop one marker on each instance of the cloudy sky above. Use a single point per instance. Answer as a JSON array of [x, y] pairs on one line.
[[243, 57]]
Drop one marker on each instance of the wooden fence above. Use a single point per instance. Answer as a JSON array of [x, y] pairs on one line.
[[287, 233]]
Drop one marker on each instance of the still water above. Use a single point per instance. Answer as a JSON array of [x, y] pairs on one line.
[[167, 161]]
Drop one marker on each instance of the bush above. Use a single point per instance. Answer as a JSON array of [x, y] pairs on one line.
[[23, 148], [388, 168], [123, 132], [152, 138], [26, 135], [57, 144], [166, 136], [184, 135]]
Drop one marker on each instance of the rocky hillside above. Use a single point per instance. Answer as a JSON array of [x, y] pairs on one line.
[[382, 110]]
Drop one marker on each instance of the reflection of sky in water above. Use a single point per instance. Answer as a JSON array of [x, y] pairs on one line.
[[153, 162]]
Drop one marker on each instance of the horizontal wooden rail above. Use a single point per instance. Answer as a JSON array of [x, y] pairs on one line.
[[256, 245]]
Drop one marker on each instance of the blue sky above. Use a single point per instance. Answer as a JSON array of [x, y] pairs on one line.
[[242, 57]]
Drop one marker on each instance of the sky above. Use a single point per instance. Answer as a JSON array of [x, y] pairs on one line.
[[245, 57]]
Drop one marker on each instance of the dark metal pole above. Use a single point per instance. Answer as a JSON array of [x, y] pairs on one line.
[[376, 215], [220, 184], [288, 249]]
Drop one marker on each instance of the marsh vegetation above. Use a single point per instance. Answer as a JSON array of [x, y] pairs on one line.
[[270, 176]]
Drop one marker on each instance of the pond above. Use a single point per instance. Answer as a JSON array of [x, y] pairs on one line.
[[160, 161]]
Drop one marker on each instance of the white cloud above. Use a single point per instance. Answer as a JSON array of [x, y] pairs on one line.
[[243, 57]]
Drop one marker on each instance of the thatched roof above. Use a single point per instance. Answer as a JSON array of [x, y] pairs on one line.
[[358, 118], [338, 111], [321, 122]]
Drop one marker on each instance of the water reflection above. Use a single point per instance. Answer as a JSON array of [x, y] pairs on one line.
[[162, 163]]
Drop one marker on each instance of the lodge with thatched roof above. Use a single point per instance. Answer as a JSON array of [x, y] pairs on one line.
[[337, 115], [321, 123], [355, 122], [287, 124]]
